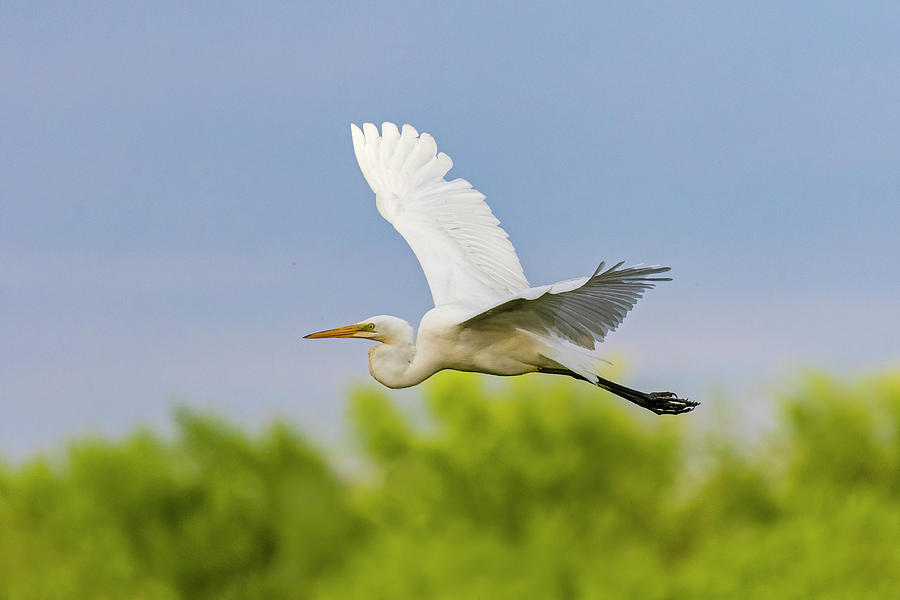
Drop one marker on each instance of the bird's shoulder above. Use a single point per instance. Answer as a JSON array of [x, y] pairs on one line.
[[446, 316]]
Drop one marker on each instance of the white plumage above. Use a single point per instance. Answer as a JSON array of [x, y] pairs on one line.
[[466, 256], [487, 318]]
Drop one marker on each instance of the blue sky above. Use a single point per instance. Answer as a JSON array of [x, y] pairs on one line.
[[179, 201]]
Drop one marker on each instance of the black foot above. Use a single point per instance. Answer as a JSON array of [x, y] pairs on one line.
[[667, 403]]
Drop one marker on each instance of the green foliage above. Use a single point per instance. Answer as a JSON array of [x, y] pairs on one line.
[[539, 488], [210, 514]]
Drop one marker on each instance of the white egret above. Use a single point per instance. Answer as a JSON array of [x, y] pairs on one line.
[[487, 318]]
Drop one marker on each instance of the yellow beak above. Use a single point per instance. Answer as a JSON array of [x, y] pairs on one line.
[[340, 332]]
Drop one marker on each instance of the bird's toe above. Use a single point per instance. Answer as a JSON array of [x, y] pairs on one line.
[[668, 403]]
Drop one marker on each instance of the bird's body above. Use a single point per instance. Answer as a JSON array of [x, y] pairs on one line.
[[442, 344], [487, 317]]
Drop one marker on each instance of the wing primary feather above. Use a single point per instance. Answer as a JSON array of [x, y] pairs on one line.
[[467, 258], [581, 311]]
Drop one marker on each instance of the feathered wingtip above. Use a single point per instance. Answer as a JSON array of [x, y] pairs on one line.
[[638, 271], [396, 159]]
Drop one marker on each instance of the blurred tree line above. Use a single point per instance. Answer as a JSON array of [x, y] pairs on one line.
[[540, 488]]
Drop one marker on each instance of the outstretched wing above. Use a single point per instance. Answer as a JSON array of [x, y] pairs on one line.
[[580, 311], [467, 258]]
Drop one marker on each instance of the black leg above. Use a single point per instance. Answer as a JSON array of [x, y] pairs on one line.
[[660, 403]]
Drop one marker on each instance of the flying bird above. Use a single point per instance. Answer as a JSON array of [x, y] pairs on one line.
[[486, 318]]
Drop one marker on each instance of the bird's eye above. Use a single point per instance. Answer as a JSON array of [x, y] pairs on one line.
[[371, 326]]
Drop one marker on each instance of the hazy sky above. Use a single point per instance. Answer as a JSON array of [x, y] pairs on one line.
[[180, 203]]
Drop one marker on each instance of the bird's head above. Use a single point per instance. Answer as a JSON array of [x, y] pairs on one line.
[[381, 328]]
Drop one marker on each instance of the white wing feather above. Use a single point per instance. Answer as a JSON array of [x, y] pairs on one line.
[[579, 311], [467, 258]]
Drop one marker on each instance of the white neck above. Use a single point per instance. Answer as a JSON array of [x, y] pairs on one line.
[[395, 365]]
